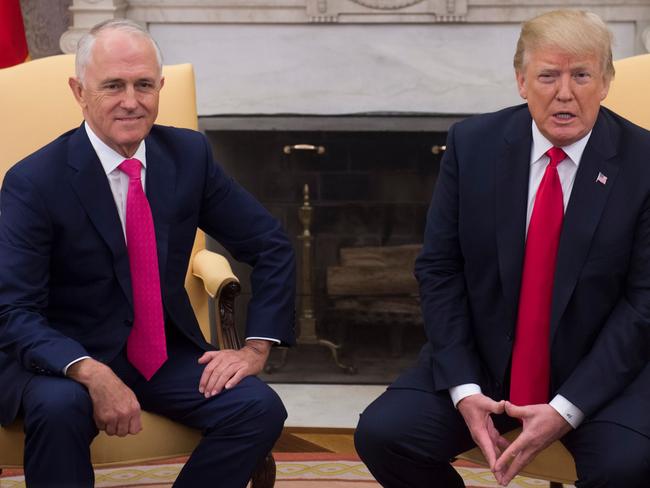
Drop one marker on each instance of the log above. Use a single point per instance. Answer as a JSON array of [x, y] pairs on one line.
[[407, 306], [389, 256], [371, 280]]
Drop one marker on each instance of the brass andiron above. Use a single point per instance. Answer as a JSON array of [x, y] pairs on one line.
[[307, 335]]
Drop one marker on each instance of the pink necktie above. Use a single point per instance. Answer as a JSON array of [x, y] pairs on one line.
[[530, 375], [145, 347]]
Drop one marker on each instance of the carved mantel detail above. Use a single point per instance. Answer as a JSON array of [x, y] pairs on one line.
[[86, 13], [388, 11]]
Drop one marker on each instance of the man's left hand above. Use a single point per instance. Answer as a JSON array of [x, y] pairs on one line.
[[224, 369], [541, 426]]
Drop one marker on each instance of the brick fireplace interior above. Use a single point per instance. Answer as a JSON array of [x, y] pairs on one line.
[[368, 188]]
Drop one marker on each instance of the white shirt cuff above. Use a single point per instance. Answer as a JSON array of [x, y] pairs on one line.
[[459, 392], [65, 370], [568, 410], [270, 339]]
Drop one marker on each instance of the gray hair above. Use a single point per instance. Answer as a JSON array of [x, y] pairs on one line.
[[87, 41]]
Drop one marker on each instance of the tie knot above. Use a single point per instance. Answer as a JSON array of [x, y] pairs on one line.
[[131, 167], [556, 155]]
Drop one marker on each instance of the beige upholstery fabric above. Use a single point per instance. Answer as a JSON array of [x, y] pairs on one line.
[[37, 106], [553, 464], [629, 96], [629, 93]]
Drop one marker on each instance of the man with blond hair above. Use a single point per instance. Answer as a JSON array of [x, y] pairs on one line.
[[535, 283], [96, 231]]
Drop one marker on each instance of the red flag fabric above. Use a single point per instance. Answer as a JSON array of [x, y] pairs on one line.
[[13, 44]]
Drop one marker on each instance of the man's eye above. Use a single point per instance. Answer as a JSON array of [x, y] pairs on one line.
[[145, 85], [546, 78], [582, 77]]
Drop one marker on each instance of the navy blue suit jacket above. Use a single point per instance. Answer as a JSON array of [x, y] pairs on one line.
[[65, 287], [470, 267]]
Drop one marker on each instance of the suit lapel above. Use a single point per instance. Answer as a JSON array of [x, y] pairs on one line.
[[512, 170], [93, 190], [588, 198], [161, 175]]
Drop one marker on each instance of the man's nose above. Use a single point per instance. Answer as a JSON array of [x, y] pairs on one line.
[[564, 88], [129, 98]]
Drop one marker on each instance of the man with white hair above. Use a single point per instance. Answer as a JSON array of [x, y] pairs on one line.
[[96, 231], [535, 283]]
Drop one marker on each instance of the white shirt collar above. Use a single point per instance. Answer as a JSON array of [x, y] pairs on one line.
[[109, 158], [541, 144]]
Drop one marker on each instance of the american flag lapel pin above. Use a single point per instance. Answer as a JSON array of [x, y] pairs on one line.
[[601, 178]]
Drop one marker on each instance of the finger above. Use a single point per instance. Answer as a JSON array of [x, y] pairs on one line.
[[482, 439], [514, 411], [500, 442], [509, 454], [207, 357], [518, 463], [498, 407], [111, 428], [217, 382], [239, 375], [208, 371], [122, 427], [135, 424]]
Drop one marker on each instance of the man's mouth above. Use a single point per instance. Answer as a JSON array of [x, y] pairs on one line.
[[563, 116], [130, 118]]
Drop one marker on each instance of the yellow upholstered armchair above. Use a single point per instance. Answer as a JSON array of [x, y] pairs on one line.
[[37, 106], [629, 96]]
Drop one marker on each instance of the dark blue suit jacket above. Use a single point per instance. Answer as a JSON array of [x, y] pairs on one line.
[[470, 267], [65, 287]]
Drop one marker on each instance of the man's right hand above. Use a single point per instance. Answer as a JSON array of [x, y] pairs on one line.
[[476, 410], [116, 409]]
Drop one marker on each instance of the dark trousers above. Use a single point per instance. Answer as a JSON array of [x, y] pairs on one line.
[[408, 436], [239, 426]]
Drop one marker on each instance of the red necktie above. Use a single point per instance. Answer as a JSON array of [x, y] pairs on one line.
[[530, 375], [145, 348]]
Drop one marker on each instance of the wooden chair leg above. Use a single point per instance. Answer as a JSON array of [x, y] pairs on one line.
[[554, 484], [264, 474]]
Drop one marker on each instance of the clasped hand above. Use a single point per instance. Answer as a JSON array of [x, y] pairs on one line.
[[541, 425]]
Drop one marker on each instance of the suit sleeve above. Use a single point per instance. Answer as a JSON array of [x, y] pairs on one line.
[[251, 234], [620, 354], [439, 270], [25, 243]]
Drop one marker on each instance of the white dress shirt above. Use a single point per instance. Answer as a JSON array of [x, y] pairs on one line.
[[567, 170], [119, 183]]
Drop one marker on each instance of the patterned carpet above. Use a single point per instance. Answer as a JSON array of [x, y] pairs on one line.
[[294, 470]]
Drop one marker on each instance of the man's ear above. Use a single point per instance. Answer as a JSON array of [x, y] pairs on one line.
[[521, 84], [162, 82], [77, 90]]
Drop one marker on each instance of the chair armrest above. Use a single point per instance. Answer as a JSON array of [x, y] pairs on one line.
[[214, 270], [223, 286]]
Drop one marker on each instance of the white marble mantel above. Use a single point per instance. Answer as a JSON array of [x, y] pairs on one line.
[[350, 56]]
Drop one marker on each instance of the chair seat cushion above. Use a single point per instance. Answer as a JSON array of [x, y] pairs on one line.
[[554, 463], [160, 438]]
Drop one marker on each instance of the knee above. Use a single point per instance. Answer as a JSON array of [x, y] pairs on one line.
[[376, 435], [259, 409], [61, 403], [616, 469], [269, 408]]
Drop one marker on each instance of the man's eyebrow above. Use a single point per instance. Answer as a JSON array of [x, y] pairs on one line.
[[111, 80]]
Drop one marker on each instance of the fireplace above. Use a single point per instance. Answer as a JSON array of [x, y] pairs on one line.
[[370, 181]]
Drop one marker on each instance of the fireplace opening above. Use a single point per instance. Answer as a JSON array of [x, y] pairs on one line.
[[362, 197]]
